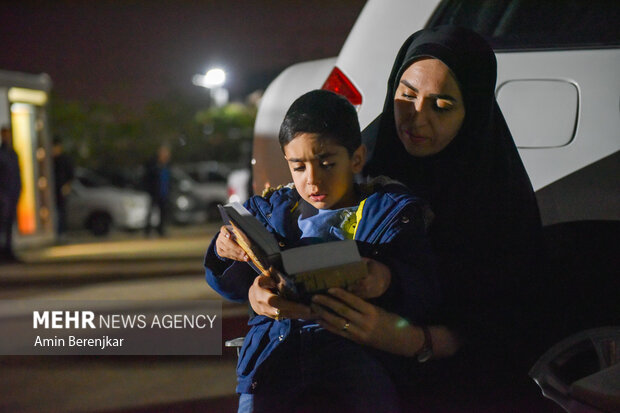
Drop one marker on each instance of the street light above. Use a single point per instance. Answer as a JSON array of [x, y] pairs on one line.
[[213, 80]]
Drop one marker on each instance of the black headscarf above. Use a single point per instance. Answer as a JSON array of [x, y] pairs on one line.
[[487, 223]]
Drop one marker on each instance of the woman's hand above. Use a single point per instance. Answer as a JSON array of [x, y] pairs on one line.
[[265, 301], [349, 316], [375, 283], [226, 246]]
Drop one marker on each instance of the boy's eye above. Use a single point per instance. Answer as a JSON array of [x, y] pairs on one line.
[[298, 168], [327, 165]]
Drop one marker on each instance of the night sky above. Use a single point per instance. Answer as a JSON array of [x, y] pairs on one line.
[[132, 52]]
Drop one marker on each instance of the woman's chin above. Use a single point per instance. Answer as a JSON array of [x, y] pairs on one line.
[[419, 149]]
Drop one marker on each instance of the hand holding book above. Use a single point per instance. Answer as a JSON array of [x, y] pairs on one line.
[[265, 300], [227, 247]]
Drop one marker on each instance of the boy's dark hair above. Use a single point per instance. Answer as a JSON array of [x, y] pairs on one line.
[[325, 113]]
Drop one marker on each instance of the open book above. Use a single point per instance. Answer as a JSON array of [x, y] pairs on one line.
[[302, 271]]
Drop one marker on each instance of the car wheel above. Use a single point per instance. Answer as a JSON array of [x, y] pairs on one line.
[[99, 224]]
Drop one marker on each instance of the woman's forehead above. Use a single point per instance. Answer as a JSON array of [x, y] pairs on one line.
[[431, 76]]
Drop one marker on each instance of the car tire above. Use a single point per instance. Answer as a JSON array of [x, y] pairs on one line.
[[99, 223]]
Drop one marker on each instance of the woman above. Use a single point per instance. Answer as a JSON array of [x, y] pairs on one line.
[[458, 153], [440, 108]]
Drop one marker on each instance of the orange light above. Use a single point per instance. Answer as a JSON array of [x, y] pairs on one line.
[[21, 116]]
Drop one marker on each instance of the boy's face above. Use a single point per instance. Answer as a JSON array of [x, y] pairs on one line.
[[323, 171]]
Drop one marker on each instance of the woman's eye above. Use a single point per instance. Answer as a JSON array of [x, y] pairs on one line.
[[440, 109], [298, 168], [443, 105], [327, 165], [408, 96]]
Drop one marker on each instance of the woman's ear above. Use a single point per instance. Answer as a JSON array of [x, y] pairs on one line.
[[358, 159]]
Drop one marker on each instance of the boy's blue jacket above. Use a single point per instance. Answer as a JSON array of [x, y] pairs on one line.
[[392, 230]]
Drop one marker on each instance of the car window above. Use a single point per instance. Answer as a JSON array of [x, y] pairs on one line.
[[194, 175], [535, 24], [213, 176]]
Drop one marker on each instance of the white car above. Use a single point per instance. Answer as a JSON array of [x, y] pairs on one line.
[[98, 206], [194, 201], [558, 86]]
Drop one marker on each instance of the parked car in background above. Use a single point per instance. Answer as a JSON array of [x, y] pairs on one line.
[[98, 206], [193, 201], [206, 171]]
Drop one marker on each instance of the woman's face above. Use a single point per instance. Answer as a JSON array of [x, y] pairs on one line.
[[428, 107]]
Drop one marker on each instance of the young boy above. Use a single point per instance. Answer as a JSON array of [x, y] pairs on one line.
[[287, 359]]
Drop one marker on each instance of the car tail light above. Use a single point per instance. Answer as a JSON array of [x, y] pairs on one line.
[[337, 82]]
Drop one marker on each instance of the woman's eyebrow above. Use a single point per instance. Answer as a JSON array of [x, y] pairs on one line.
[[433, 95], [409, 85]]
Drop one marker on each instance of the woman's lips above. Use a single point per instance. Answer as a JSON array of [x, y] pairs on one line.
[[415, 138], [318, 197]]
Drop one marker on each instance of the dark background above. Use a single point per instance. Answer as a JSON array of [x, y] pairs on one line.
[[133, 52]]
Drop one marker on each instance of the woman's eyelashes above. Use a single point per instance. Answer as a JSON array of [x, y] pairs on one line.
[[408, 96], [443, 105], [441, 109], [438, 105]]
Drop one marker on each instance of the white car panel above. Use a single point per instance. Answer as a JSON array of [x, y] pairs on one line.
[[595, 74]]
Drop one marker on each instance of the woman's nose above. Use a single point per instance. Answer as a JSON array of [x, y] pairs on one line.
[[418, 111], [419, 105]]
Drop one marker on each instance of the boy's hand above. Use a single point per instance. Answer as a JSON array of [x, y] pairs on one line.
[[227, 247], [265, 302], [375, 283]]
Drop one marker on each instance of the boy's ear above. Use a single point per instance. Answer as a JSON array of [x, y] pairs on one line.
[[358, 159]]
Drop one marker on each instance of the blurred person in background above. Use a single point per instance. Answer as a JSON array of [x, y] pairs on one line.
[[10, 188], [157, 184], [63, 175]]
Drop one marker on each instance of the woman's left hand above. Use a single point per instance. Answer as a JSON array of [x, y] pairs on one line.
[[349, 316]]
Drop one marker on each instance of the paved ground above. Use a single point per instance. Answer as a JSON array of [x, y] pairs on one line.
[[122, 266], [127, 266]]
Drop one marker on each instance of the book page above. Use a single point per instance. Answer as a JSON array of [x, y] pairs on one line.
[[317, 256]]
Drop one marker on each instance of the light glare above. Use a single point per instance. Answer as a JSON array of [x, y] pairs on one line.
[[213, 78]]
